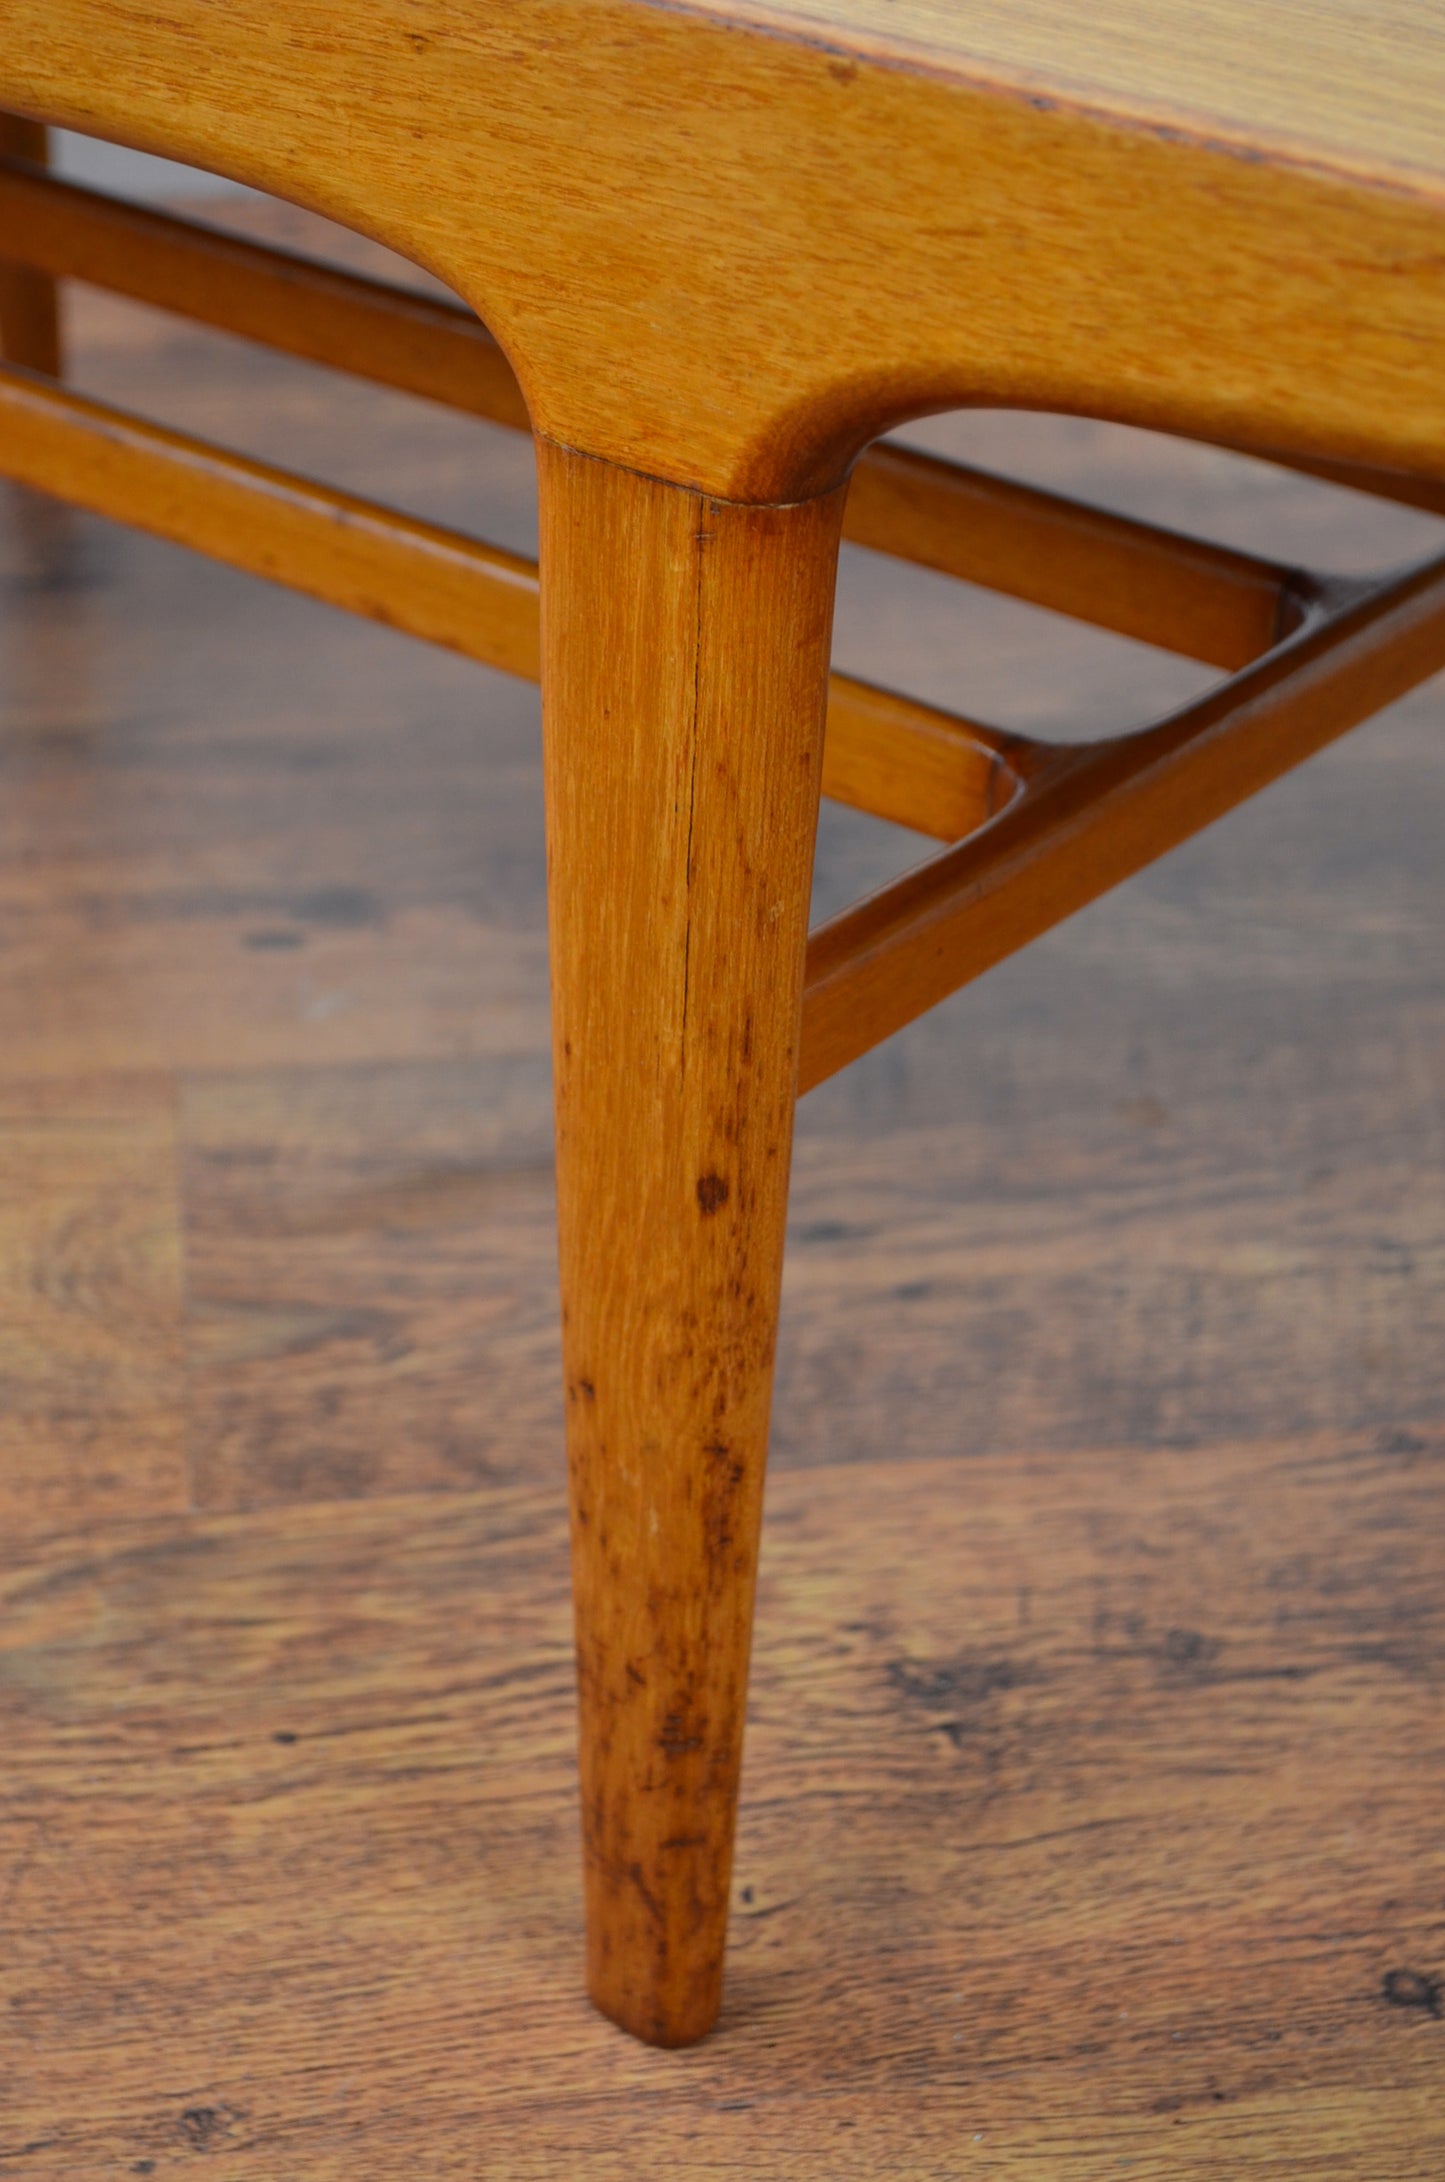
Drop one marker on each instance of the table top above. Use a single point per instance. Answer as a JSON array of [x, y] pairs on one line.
[[732, 259], [1357, 85]]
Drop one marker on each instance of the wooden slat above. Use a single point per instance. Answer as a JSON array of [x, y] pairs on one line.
[[1158, 586], [1094, 816], [433, 583], [1425, 493], [915, 765], [29, 318], [1089, 819], [887, 754], [1162, 588], [369, 328]]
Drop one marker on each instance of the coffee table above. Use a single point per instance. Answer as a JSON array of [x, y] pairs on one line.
[[717, 251]]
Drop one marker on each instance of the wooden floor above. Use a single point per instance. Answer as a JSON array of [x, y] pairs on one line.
[[1093, 1790]]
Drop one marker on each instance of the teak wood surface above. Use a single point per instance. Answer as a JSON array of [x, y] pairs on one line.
[[722, 249], [1091, 1787], [729, 253]]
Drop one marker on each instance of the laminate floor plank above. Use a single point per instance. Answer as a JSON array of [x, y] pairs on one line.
[[373, 1280], [93, 1418], [1090, 1815]]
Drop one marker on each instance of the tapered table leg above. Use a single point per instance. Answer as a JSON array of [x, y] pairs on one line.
[[685, 646], [29, 305]]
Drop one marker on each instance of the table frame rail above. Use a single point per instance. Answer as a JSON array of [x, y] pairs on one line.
[[1034, 830]]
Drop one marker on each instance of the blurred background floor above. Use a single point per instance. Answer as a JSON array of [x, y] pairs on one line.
[[1091, 1803]]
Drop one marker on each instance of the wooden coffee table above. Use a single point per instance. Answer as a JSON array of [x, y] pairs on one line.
[[719, 251]]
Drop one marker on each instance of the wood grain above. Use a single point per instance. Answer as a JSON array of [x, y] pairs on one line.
[[1119, 1775], [372, 1280], [92, 1364], [906, 238], [678, 857], [1324, 83], [1184, 594]]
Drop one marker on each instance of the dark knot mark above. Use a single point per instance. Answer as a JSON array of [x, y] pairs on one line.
[[712, 1192], [675, 1738], [943, 1684], [1414, 1989], [204, 2126], [1189, 1650]]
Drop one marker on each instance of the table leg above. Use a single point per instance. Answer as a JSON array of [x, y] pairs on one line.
[[685, 648], [29, 305]]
